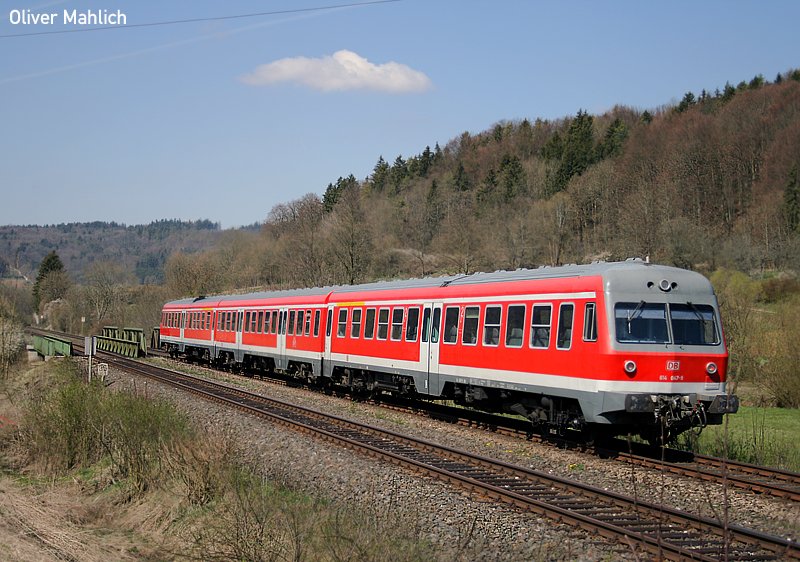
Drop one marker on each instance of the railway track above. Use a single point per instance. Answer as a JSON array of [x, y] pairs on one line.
[[660, 530], [757, 479]]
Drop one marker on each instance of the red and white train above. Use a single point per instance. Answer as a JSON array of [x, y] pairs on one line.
[[611, 347]]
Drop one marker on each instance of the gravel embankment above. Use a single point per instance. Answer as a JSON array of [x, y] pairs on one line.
[[473, 529]]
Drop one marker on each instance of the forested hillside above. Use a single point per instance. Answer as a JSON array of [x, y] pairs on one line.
[[709, 182], [141, 250]]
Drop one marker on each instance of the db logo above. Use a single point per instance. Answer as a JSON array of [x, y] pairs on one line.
[[673, 365]]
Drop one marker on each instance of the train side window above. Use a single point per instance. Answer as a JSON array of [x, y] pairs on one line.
[[437, 316], [540, 325], [308, 322], [254, 322], [316, 323], [292, 315], [369, 324], [341, 328], [397, 324], [412, 324], [470, 334], [265, 327], [515, 325], [209, 320], [383, 323], [300, 317], [491, 325], [355, 326], [228, 321], [450, 325], [589, 322], [274, 321], [565, 318], [426, 320]]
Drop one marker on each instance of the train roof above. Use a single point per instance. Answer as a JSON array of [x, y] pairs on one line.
[[630, 275]]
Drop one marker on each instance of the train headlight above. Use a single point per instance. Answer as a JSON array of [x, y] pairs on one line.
[[630, 367], [711, 368]]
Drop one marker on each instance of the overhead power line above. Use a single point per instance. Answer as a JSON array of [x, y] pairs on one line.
[[194, 20]]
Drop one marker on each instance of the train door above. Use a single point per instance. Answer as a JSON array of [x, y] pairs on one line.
[[238, 352], [183, 323], [326, 362], [283, 312], [429, 347]]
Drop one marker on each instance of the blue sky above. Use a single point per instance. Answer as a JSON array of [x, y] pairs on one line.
[[223, 119]]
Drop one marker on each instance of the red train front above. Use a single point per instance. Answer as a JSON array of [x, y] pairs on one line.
[[613, 347]]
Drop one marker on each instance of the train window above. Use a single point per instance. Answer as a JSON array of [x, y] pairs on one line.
[[450, 325], [308, 322], [491, 325], [274, 325], [564, 337], [383, 323], [369, 324], [589, 322], [316, 323], [397, 324], [693, 324], [341, 329], [540, 325], [300, 317], [412, 324], [641, 322], [208, 320], [355, 327], [328, 322], [470, 334], [515, 325], [228, 321], [437, 316], [247, 318], [292, 316], [265, 322], [426, 320], [254, 322]]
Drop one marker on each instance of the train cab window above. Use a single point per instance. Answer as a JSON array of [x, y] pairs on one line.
[[470, 335], [450, 325], [300, 317], [316, 323], [515, 325], [491, 325], [292, 316], [693, 324], [341, 328], [355, 326], [308, 322], [369, 324], [565, 317], [641, 322], [412, 324], [383, 323], [540, 325], [426, 320], [397, 324], [589, 322]]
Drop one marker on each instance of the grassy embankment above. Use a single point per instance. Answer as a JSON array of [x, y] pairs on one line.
[[161, 487]]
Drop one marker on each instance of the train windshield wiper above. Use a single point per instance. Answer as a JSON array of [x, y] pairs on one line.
[[633, 314]]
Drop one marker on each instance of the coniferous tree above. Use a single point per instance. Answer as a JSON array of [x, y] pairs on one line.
[[51, 263], [380, 175], [791, 201], [461, 180]]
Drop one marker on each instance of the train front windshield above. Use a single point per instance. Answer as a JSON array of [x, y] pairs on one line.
[[681, 324]]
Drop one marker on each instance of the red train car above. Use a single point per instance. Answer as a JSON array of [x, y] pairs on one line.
[[619, 347]]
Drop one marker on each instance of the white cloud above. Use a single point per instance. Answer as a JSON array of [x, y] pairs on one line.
[[344, 70]]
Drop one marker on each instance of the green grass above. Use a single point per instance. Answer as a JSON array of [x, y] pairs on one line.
[[763, 436]]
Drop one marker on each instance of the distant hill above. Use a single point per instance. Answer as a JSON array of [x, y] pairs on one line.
[[142, 249]]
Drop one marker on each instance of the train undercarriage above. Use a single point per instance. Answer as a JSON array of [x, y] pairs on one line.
[[657, 419]]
